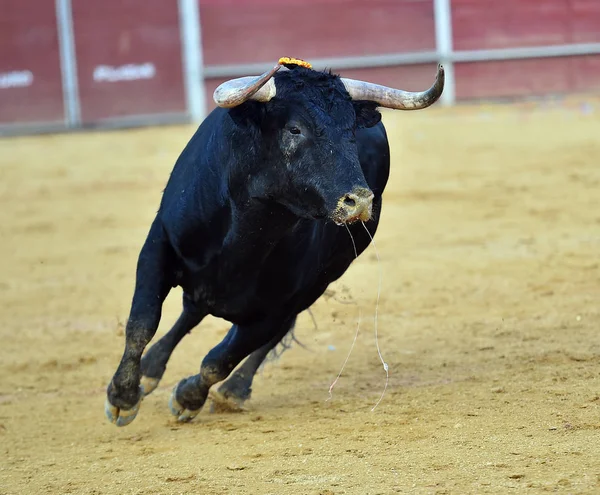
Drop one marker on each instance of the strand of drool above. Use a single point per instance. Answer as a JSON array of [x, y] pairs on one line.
[[355, 334], [385, 365]]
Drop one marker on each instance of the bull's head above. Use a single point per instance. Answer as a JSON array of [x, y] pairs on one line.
[[307, 121]]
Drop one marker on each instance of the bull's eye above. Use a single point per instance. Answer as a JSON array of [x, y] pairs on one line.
[[294, 130]]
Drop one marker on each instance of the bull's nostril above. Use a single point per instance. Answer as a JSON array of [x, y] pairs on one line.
[[354, 206], [349, 201]]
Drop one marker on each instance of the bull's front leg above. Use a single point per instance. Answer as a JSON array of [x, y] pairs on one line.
[[154, 276]]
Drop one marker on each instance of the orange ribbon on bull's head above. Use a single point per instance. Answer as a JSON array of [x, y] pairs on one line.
[[287, 61]]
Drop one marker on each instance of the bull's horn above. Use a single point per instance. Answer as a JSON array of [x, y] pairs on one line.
[[396, 98], [236, 91]]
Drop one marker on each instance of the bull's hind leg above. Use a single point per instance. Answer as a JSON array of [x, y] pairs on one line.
[[190, 394], [237, 389], [154, 362], [154, 275]]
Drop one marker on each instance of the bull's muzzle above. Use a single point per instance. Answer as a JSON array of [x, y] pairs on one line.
[[354, 206]]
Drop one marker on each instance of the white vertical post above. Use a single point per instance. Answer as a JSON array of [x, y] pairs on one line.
[[68, 62], [442, 10], [193, 65]]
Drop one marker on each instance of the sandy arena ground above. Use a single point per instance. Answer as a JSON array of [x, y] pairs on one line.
[[489, 320]]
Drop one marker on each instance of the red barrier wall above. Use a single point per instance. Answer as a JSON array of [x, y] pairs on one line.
[[481, 24], [488, 24], [129, 52], [522, 78], [243, 31], [30, 76], [129, 58]]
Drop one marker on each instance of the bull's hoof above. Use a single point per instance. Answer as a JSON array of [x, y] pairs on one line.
[[148, 385], [182, 414], [223, 402], [118, 416]]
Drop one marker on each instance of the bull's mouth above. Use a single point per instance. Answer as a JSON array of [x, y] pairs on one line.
[[341, 217]]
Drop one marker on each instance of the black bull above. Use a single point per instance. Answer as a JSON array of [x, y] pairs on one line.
[[268, 204]]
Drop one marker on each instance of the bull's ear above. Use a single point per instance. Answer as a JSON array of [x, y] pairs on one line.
[[367, 114]]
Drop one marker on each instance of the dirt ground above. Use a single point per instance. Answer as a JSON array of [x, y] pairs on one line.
[[488, 319]]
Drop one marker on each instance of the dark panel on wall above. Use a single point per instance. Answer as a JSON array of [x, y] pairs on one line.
[[408, 77], [521, 78], [128, 58], [30, 76], [244, 31], [481, 24]]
